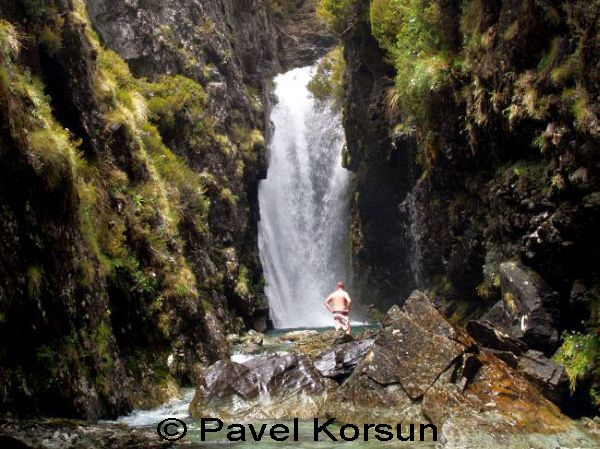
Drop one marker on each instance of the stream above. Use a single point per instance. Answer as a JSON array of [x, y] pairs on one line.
[[177, 408]]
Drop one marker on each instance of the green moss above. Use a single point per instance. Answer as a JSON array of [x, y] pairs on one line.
[[241, 286], [337, 13], [411, 32], [171, 95], [9, 40], [34, 9], [580, 355], [51, 39], [327, 84], [470, 20], [35, 276], [227, 195]]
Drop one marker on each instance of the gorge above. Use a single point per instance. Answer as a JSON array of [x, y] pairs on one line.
[[178, 177]]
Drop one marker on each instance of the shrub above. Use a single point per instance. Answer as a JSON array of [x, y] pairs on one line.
[[327, 84], [9, 40], [411, 33], [580, 355], [171, 95], [337, 13]]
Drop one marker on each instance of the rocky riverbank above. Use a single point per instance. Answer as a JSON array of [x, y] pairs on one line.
[[418, 368]]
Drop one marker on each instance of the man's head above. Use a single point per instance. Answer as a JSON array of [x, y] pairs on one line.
[[340, 285]]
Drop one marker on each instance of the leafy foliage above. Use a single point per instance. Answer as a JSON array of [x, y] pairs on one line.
[[327, 83], [337, 13], [580, 354], [411, 33]]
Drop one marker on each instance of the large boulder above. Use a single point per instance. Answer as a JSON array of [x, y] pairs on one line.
[[71, 434], [491, 336], [270, 386], [529, 309], [422, 369], [548, 375], [339, 362], [403, 363]]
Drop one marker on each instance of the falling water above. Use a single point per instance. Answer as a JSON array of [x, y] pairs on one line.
[[415, 256], [304, 206]]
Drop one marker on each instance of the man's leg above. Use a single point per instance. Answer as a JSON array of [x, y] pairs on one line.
[[345, 321], [337, 322]]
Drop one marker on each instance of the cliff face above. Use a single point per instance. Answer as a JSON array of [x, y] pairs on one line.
[[495, 105], [380, 225], [130, 161]]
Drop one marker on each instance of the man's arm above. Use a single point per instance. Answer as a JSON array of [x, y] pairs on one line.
[[327, 303], [348, 302]]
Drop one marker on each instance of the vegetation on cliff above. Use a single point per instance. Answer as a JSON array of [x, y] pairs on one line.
[[133, 269], [501, 98]]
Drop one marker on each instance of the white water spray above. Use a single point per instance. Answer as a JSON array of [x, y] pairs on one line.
[[304, 206]]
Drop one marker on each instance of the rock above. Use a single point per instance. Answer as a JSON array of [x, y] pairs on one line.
[[490, 336], [506, 356], [251, 348], [592, 425], [299, 335], [548, 375], [497, 403], [233, 339], [423, 313], [403, 362], [252, 337], [70, 434], [271, 386], [314, 344], [408, 354], [529, 310], [338, 363], [416, 374]]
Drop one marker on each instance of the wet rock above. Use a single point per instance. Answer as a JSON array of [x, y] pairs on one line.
[[529, 308], [413, 374], [497, 400], [339, 362], [251, 348], [401, 365], [313, 344], [548, 375], [252, 337], [299, 335], [592, 425], [233, 339], [490, 336], [69, 434], [422, 312], [408, 354], [270, 386], [506, 356]]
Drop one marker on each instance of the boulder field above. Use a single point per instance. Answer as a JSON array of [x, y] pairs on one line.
[[418, 368]]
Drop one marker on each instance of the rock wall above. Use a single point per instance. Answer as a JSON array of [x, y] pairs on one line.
[[380, 237], [488, 117], [131, 146]]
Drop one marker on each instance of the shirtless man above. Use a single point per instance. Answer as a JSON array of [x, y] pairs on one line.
[[340, 304]]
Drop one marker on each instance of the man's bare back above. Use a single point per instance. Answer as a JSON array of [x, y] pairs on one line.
[[339, 301], [340, 304]]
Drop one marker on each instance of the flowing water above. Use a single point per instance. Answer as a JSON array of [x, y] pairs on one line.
[[414, 256], [178, 408], [304, 206]]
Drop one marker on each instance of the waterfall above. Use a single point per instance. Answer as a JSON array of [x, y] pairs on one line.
[[304, 206], [415, 256]]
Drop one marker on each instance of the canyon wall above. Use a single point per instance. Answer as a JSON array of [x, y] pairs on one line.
[[132, 141], [485, 114]]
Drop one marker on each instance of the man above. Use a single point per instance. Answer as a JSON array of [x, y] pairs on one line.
[[340, 304]]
